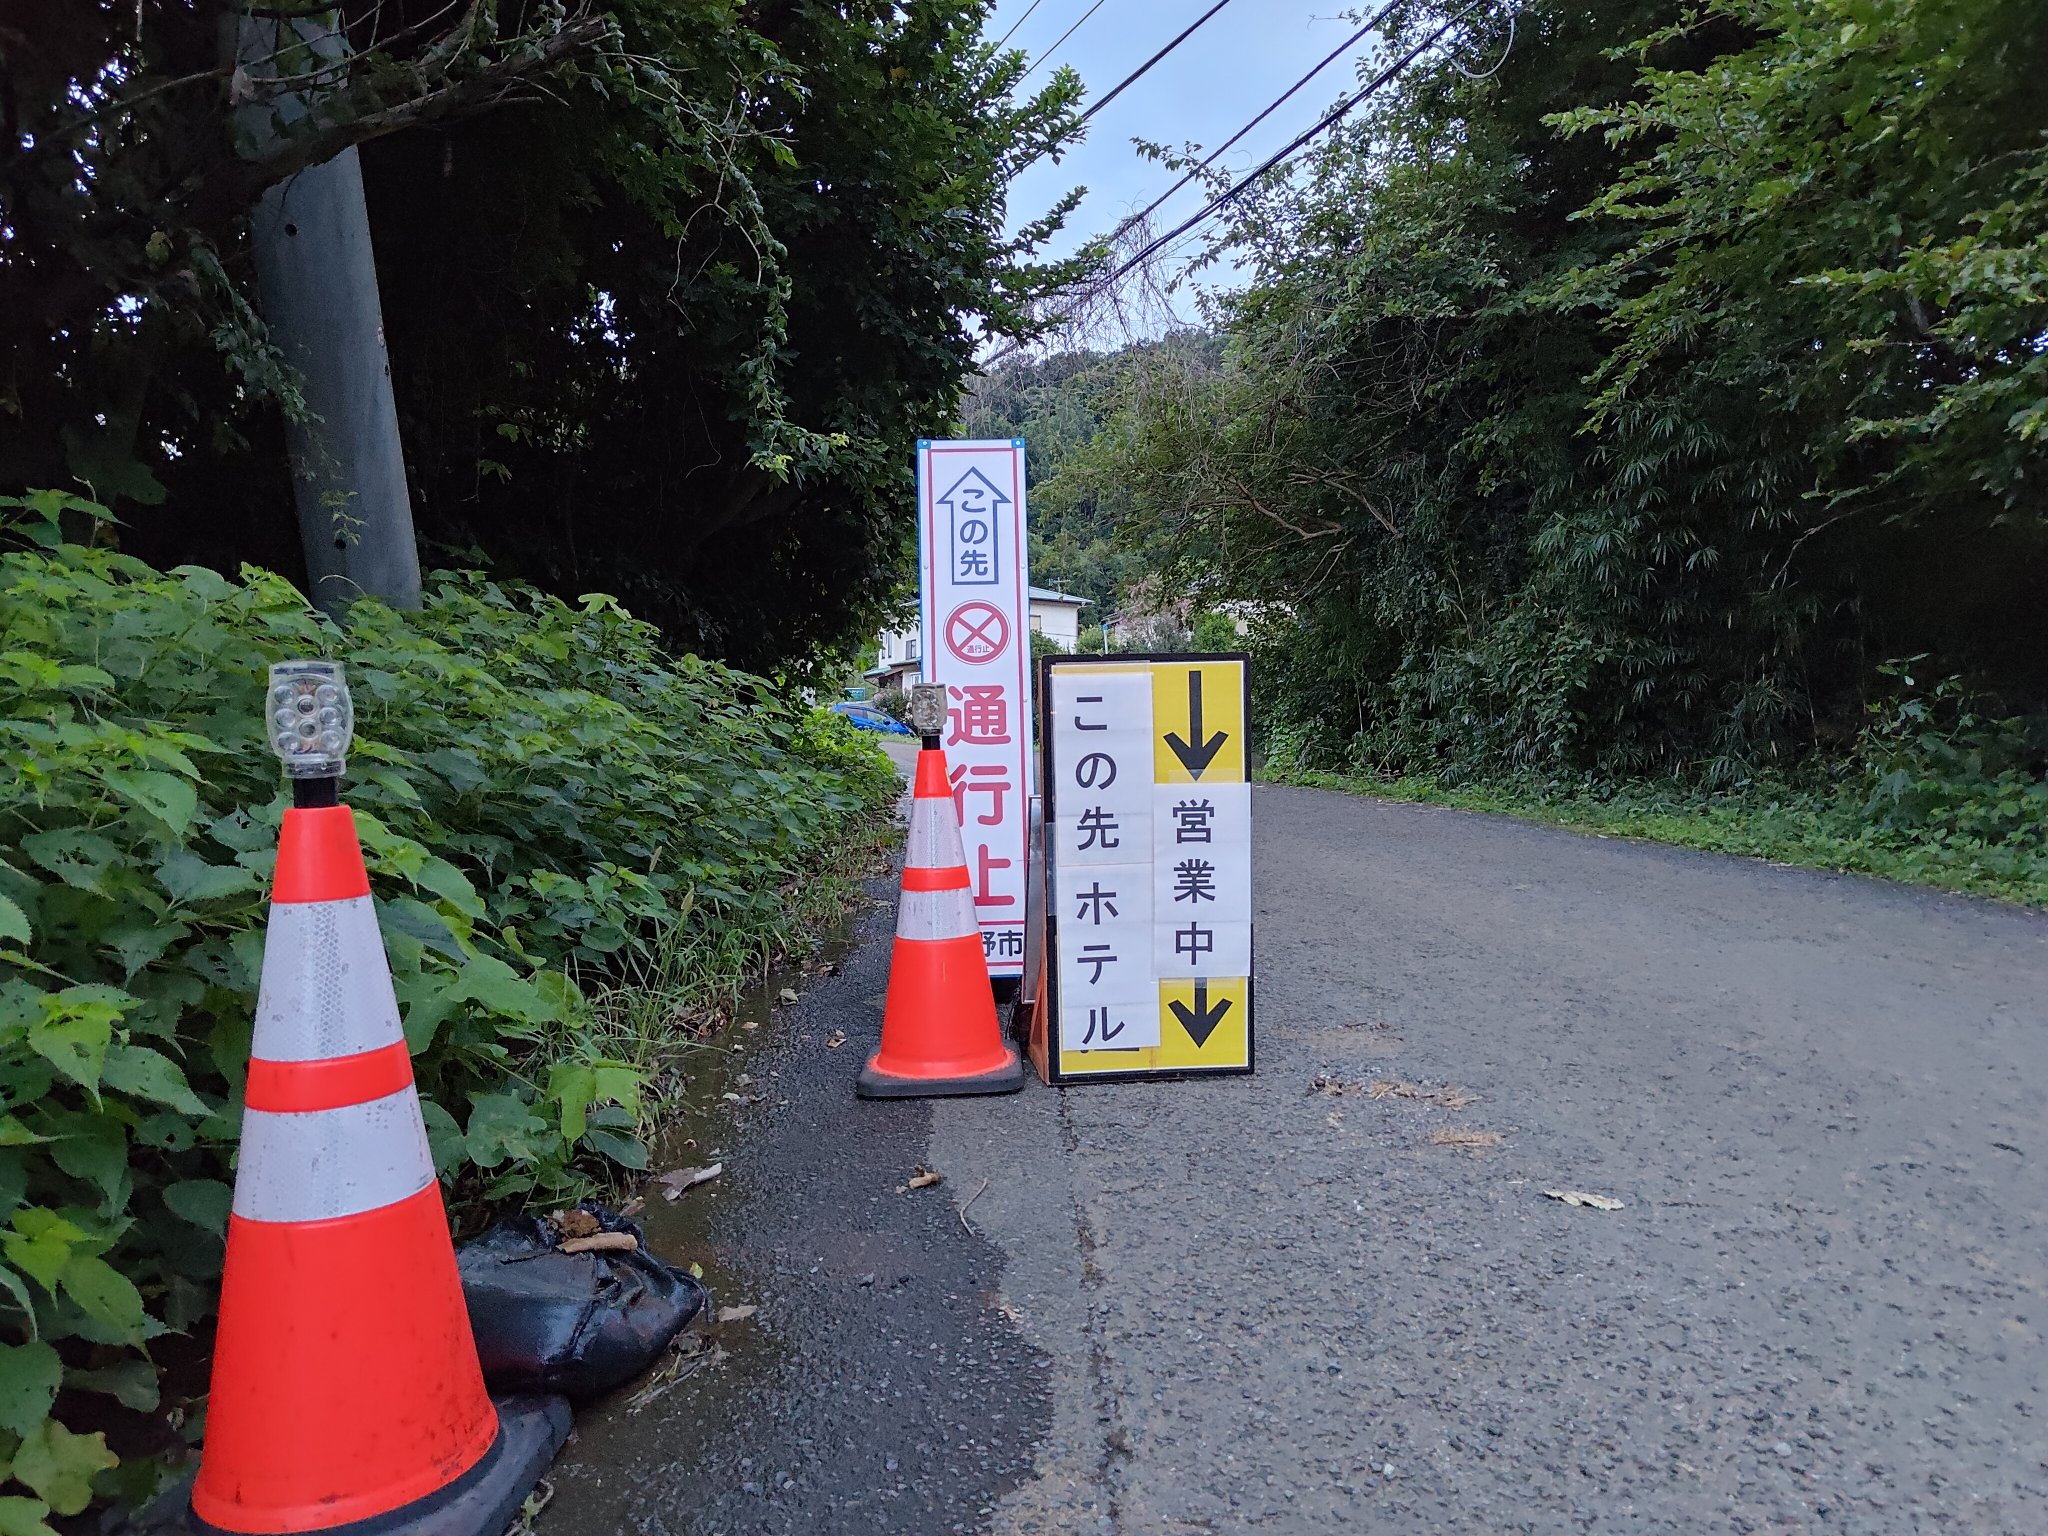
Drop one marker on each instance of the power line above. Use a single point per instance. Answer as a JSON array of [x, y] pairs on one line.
[[1350, 42], [1034, 5], [1055, 48], [1245, 182], [1336, 115], [1138, 73]]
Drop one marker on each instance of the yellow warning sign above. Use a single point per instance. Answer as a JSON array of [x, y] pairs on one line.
[[1198, 722], [1202, 1024], [1148, 860]]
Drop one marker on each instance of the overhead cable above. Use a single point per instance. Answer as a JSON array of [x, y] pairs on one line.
[[1034, 5], [1238, 187], [1275, 105], [1139, 73], [1281, 156], [1055, 48]]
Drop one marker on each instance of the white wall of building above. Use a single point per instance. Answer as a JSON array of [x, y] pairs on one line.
[[1059, 622]]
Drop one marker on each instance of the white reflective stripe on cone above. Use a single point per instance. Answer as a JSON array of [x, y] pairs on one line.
[[937, 915], [326, 988], [332, 1162], [934, 837]]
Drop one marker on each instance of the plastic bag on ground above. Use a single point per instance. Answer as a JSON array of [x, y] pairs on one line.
[[578, 1324]]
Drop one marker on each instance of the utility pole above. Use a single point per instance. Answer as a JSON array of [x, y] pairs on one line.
[[317, 291]]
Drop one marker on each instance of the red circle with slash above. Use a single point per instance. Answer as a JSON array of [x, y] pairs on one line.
[[977, 632]]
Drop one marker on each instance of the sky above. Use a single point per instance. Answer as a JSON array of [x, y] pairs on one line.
[[1204, 91]]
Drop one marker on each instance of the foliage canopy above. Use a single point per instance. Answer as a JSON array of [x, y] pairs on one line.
[[671, 287], [1621, 410]]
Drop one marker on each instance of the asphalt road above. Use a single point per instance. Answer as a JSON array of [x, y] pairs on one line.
[[1248, 1304]]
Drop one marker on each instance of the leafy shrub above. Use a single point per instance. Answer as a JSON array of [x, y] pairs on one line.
[[538, 787], [893, 702]]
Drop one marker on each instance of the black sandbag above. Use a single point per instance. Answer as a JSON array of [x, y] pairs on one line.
[[578, 1324]]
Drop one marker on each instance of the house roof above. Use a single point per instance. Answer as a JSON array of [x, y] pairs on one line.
[[1047, 595]]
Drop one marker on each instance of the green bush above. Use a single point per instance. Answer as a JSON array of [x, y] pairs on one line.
[[541, 792]]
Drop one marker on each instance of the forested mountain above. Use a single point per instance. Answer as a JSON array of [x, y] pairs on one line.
[[1621, 392]]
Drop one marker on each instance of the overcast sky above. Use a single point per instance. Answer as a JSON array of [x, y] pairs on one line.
[[1204, 91]]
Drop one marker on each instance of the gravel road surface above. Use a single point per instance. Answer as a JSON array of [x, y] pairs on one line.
[[1255, 1304]]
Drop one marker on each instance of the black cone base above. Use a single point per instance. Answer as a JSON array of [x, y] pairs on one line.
[[880, 1085], [486, 1498]]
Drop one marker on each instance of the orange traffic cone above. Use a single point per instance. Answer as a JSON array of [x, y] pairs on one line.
[[939, 1031], [345, 1380]]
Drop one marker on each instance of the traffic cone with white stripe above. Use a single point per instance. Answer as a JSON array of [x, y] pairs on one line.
[[939, 1030], [346, 1391]]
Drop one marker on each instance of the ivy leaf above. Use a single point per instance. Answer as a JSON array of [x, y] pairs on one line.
[[451, 885], [627, 1151], [40, 1244], [106, 1294], [29, 1378], [132, 1383], [23, 1517], [203, 1202], [502, 1126], [169, 798], [148, 1074], [143, 942], [59, 1466], [75, 856], [444, 1137], [94, 1148], [75, 1029], [187, 878], [573, 1085]]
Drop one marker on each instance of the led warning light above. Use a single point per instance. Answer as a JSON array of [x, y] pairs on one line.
[[311, 719]]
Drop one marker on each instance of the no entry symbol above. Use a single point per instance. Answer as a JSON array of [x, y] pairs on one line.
[[977, 632]]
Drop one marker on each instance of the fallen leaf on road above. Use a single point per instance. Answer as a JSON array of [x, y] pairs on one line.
[[678, 1181], [924, 1178], [574, 1223], [835, 1040], [786, 995], [1449, 1096], [688, 1358], [1580, 1197], [1462, 1136], [1335, 1087], [736, 1314], [603, 1242]]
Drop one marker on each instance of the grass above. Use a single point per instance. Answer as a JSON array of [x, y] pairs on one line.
[[1810, 829], [663, 1013]]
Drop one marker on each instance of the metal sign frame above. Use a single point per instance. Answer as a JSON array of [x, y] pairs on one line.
[[1049, 789]]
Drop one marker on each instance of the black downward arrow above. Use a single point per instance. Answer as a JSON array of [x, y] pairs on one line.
[[1201, 1020], [1195, 754]]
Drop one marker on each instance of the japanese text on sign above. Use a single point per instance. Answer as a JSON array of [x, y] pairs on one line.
[[1149, 839], [972, 574]]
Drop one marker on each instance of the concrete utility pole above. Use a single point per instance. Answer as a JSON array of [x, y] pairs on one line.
[[317, 287]]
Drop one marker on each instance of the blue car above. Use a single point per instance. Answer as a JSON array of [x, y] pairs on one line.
[[868, 718]]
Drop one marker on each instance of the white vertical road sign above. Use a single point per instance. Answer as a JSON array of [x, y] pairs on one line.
[[975, 610], [1148, 839]]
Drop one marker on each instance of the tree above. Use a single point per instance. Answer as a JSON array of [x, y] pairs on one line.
[[1627, 382], [667, 324]]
